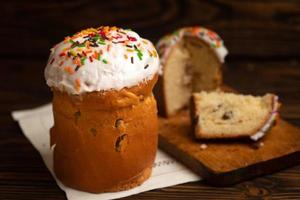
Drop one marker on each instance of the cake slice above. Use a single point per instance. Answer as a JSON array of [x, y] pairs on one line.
[[191, 60], [226, 115]]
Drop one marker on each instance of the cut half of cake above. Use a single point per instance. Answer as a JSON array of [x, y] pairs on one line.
[[227, 115], [191, 60]]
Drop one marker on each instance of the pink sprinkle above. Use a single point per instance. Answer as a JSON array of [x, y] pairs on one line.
[[120, 41], [103, 35], [117, 37], [131, 38]]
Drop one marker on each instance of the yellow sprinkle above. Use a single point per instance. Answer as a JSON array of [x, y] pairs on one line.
[[88, 31], [154, 53], [67, 48], [73, 53], [106, 28], [113, 28]]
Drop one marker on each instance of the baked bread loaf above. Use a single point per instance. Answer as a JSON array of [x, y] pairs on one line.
[[191, 60], [105, 118], [226, 115]]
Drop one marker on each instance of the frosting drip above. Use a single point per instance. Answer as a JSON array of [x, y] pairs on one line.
[[101, 59], [259, 134], [211, 38]]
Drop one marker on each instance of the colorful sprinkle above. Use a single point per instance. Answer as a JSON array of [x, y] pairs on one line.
[[77, 84], [208, 36], [154, 53], [91, 45], [82, 60], [62, 54], [131, 38], [69, 70], [150, 53], [77, 61], [108, 48], [139, 53]]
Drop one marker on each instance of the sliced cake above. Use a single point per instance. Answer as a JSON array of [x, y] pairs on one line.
[[226, 115], [191, 60]]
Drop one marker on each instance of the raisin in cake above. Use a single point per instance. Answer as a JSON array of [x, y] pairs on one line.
[[227, 115], [191, 60]]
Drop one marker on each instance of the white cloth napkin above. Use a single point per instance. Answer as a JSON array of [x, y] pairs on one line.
[[36, 123]]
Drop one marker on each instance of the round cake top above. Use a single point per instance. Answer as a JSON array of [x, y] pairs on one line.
[[209, 37], [101, 59]]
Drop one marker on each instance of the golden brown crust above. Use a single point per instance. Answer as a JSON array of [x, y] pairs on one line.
[[193, 114], [106, 100], [134, 182], [105, 141], [160, 97]]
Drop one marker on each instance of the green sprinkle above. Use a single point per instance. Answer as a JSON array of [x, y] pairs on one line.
[[101, 42], [176, 32], [104, 61], [140, 55], [99, 56], [77, 44], [82, 60], [96, 37]]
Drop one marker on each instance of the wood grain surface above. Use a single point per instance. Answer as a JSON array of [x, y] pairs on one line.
[[263, 38], [224, 163]]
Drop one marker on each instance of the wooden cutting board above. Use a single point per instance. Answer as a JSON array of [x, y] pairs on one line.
[[226, 162]]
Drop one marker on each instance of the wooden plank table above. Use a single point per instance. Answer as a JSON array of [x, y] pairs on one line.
[[264, 43]]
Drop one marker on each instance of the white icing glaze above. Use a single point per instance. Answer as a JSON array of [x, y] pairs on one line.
[[210, 38], [125, 61], [269, 122], [165, 45]]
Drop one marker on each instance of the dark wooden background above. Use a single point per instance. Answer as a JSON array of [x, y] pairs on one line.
[[263, 38]]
